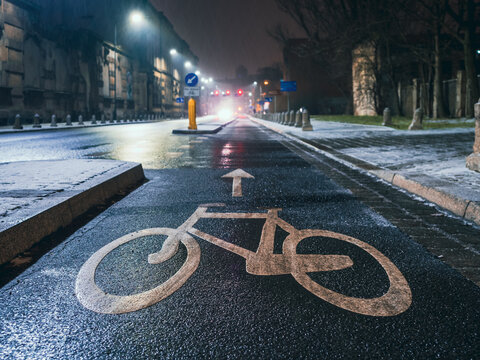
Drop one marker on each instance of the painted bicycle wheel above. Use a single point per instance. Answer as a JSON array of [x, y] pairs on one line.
[[395, 301], [95, 299]]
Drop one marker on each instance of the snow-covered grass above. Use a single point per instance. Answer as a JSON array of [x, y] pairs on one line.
[[399, 122]]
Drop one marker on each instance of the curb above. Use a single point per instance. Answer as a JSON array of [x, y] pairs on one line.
[[200, 132], [20, 237], [467, 209], [73, 127]]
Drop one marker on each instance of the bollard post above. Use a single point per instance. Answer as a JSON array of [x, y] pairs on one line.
[[94, 119], [102, 121], [417, 120], [291, 121], [306, 125], [36, 121], [112, 120], [69, 120], [80, 120], [18, 122], [53, 123], [473, 160], [192, 114], [298, 119], [387, 117]]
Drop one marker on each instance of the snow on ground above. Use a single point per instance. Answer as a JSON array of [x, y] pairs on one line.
[[437, 159]]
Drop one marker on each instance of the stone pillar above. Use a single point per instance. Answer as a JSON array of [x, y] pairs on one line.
[[18, 122], [417, 120], [53, 123], [415, 95], [69, 120], [460, 95], [94, 119], [36, 121], [80, 120], [285, 118], [387, 117], [306, 126], [473, 160], [298, 119], [291, 119]]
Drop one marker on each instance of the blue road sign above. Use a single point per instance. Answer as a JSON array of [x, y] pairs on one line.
[[268, 99], [191, 79], [288, 86], [261, 102], [180, 100]]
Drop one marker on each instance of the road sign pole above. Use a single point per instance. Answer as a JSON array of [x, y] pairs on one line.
[[275, 104]]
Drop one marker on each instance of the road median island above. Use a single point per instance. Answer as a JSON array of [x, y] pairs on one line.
[[37, 198], [467, 207]]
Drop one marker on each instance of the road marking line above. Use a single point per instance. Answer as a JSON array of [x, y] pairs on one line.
[[185, 146], [237, 176]]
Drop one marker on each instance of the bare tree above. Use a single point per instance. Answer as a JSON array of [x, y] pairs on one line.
[[335, 28], [466, 17]]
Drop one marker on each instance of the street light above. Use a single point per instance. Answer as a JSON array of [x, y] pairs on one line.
[[173, 52], [198, 73], [188, 64], [136, 17]]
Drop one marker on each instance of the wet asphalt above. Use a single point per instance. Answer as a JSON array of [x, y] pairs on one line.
[[222, 311]]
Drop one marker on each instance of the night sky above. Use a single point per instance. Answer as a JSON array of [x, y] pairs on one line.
[[227, 33]]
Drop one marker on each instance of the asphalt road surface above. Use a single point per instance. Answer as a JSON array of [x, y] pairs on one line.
[[325, 277]]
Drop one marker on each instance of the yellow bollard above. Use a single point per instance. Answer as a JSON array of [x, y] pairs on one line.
[[192, 114]]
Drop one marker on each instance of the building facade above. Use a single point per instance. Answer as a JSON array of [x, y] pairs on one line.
[[85, 57]]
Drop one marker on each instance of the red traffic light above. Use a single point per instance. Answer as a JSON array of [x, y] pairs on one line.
[[227, 92], [216, 93], [239, 92]]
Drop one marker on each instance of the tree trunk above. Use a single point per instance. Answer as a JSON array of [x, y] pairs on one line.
[[471, 92], [438, 103]]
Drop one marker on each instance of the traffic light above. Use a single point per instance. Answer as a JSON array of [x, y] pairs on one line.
[[239, 92], [216, 93], [227, 93]]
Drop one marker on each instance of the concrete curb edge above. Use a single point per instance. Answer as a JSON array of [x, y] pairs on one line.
[[467, 209], [24, 235]]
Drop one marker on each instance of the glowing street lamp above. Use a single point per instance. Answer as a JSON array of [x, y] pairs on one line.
[[198, 73], [137, 17], [173, 52], [188, 64]]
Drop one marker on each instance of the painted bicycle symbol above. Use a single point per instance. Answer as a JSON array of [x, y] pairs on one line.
[[396, 300]]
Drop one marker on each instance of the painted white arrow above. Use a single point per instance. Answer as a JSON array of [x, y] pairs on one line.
[[237, 176]]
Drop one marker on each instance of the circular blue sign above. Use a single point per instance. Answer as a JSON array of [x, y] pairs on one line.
[[191, 79]]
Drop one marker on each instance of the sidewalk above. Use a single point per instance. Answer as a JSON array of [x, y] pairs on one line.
[[37, 198], [208, 120], [428, 163]]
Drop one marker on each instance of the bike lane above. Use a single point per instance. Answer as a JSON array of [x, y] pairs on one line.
[[224, 309]]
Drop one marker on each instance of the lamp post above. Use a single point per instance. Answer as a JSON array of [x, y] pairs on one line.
[[115, 76], [136, 18]]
